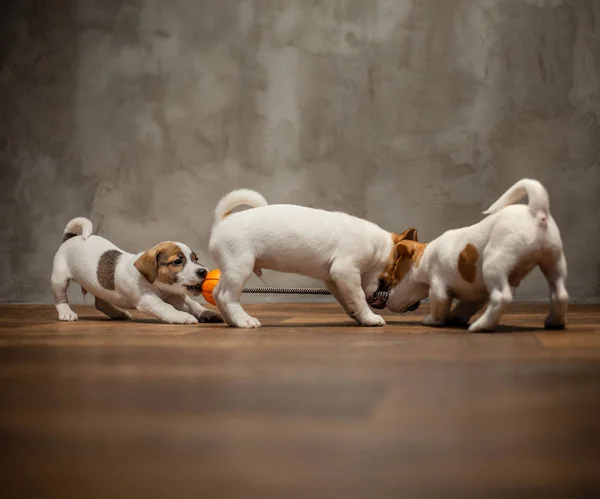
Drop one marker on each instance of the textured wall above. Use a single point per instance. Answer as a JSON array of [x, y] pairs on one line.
[[141, 114]]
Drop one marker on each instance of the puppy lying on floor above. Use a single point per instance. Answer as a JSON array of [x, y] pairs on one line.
[[159, 281], [481, 263], [346, 252]]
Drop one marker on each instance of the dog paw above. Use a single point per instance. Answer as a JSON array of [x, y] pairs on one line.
[[373, 321], [246, 323], [181, 318], [210, 316], [430, 320], [68, 316], [480, 327]]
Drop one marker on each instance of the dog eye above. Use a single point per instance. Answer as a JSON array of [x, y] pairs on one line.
[[177, 262]]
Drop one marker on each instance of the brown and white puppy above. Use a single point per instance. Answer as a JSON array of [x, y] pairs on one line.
[[483, 263], [159, 281]]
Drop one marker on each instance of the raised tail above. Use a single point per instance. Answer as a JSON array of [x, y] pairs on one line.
[[79, 226], [534, 190], [239, 197]]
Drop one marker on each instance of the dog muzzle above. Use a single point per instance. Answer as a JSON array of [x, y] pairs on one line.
[[380, 298]]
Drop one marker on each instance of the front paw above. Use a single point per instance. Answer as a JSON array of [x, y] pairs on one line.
[[210, 316], [69, 316], [430, 320], [372, 320], [181, 318], [480, 327], [65, 313], [245, 322]]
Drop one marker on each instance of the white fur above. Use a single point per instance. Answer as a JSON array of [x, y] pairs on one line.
[[239, 197], [346, 252], [513, 237], [80, 225], [77, 260]]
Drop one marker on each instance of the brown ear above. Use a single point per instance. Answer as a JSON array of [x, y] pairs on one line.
[[409, 249], [404, 249], [409, 234], [406, 253], [147, 264]]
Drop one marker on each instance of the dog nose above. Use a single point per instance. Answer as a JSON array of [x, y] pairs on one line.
[[201, 273]]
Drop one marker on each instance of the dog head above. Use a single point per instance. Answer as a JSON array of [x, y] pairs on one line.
[[406, 292], [172, 267]]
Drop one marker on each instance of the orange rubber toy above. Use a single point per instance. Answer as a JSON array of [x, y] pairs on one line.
[[210, 282]]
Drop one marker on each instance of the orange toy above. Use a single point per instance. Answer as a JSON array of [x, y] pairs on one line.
[[210, 282]]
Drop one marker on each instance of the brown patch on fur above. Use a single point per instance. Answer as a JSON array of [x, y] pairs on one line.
[[466, 262], [68, 235], [156, 263], [106, 268], [388, 271]]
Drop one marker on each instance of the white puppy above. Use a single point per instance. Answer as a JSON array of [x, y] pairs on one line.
[[481, 263], [159, 281], [346, 252]]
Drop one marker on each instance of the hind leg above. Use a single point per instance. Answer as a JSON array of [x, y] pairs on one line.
[[556, 272], [112, 311], [222, 311], [441, 301], [60, 283], [233, 277], [495, 275]]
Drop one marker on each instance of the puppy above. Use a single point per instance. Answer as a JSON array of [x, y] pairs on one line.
[[484, 263], [159, 281], [346, 252]]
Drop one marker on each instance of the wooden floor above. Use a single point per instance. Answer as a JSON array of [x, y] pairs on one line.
[[309, 406]]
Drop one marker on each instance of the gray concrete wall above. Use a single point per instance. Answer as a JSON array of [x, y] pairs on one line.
[[141, 114]]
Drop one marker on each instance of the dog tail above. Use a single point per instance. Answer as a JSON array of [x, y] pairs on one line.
[[237, 198], [79, 226], [534, 190]]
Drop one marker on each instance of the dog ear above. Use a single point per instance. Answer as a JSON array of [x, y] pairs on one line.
[[147, 264], [409, 250], [409, 234], [405, 253], [404, 249]]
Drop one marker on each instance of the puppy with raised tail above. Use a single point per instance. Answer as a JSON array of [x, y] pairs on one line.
[[159, 281], [346, 252], [484, 263]]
